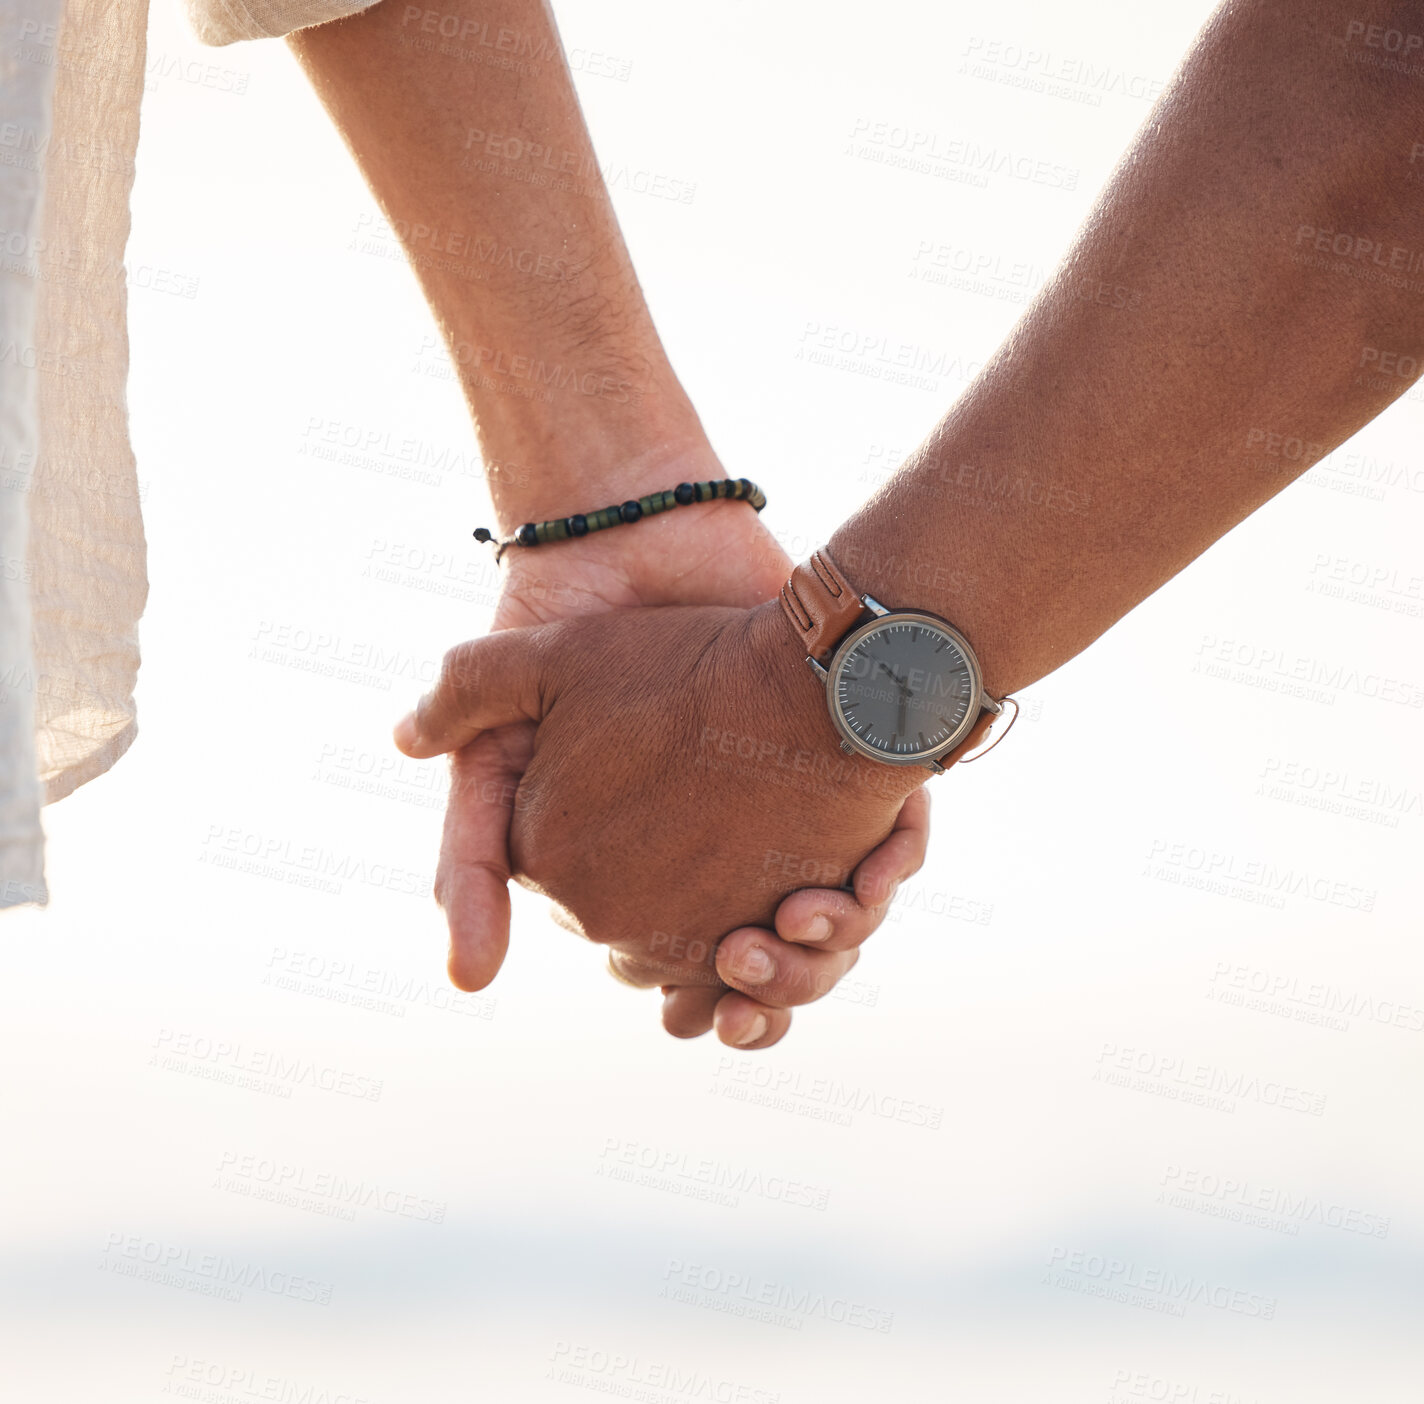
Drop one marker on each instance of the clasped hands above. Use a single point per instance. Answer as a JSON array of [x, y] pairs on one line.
[[639, 740]]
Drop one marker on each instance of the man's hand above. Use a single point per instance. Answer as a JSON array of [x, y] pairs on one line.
[[680, 755]]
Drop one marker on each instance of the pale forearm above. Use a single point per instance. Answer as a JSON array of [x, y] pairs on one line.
[[465, 123], [1190, 358]]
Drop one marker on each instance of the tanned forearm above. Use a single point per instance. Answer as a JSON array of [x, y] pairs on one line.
[[1210, 335], [464, 121]]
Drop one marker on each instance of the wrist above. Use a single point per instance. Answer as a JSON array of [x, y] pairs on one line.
[[553, 459], [990, 613]]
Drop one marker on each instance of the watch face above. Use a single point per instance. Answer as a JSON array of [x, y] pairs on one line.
[[904, 687]]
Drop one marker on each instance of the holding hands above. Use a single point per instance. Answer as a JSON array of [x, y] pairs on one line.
[[621, 741], [647, 763]]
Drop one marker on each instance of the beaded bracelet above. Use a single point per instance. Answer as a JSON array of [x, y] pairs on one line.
[[562, 528]]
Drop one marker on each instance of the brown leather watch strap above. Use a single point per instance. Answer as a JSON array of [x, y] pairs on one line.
[[821, 604]]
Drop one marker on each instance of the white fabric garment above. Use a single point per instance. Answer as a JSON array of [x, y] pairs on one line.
[[72, 567]]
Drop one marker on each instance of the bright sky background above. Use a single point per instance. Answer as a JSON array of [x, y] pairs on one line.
[[992, 1181]]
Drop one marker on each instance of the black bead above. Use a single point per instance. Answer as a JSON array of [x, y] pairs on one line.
[[746, 486], [684, 494], [578, 526], [483, 534], [630, 511], [527, 535]]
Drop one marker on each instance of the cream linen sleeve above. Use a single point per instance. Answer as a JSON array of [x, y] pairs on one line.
[[226, 21], [86, 549], [88, 581]]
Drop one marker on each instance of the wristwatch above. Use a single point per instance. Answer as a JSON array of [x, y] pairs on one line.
[[903, 686]]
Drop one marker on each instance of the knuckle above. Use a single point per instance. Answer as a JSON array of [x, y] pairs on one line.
[[456, 667]]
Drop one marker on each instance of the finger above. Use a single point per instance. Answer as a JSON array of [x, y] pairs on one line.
[[472, 878], [900, 856], [831, 919], [774, 972], [484, 683], [647, 971], [688, 1009], [744, 1023], [803, 915]]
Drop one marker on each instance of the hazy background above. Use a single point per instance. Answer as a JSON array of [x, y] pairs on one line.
[[505, 1197]]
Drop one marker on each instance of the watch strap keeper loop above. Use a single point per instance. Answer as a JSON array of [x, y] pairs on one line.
[[821, 604]]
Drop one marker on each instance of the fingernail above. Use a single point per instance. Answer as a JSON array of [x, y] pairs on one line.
[[754, 1031], [818, 930], [406, 732], [753, 966]]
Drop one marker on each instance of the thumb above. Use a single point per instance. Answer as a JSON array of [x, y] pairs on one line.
[[484, 683], [472, 881]]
